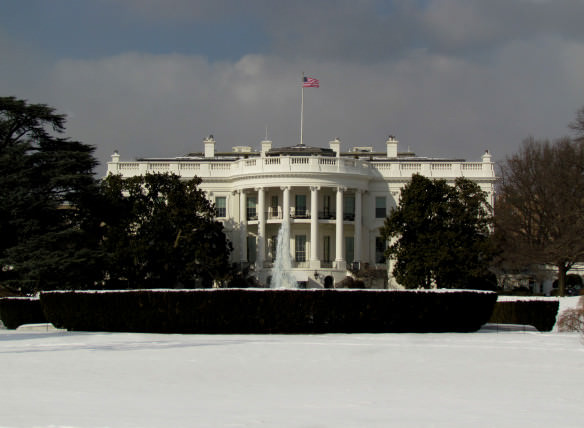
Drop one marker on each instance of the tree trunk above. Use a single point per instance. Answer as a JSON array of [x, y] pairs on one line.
[[562, 270]]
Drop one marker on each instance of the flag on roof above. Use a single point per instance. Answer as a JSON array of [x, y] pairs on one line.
[[311, 82]]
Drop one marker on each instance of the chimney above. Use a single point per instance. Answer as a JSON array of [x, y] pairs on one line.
[[336, 146], [266, 146], [209, 146], [391, 147]]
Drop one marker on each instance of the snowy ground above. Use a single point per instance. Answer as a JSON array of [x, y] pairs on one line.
[[484, 379]]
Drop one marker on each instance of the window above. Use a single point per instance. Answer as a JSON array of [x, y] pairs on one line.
[[251, 208], [251, 249], [380, 245], [221, 206], [326, 206], [300, 206], [349, 249], [274, 247], [326, 249], [349, 207], [300, 247], [274, 207], [380, 209]]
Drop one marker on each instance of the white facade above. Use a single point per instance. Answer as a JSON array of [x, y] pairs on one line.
[[335, 201]]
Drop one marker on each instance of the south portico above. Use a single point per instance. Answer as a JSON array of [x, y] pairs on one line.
[[325, 228]]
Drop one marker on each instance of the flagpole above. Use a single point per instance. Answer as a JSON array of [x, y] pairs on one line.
[[302, 110]]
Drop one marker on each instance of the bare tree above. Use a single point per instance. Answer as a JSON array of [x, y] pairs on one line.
[[578, 125], [539, 212]]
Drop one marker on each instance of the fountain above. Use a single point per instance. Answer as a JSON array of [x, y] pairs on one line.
[[281, 271]]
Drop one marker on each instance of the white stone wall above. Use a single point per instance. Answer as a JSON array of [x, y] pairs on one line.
[[228, 177]]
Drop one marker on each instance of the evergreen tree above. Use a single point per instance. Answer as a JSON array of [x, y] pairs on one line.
[[439, 235], [46, 185], [160, 231]]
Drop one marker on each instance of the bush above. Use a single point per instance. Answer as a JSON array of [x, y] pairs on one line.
[[269, 311], [16, 311], [572, 320], [539, 313]]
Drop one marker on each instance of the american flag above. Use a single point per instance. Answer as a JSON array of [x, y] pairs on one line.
[[311, 82]]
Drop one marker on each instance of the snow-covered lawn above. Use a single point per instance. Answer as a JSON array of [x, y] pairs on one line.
[[484, 379]]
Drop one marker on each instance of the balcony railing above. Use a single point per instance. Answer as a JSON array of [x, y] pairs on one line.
[[213, 168]]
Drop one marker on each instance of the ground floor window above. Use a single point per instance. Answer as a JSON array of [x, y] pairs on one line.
[[380, 246], [300, 248], [251, 249], [274, 246], [349, 249], [326, 249]]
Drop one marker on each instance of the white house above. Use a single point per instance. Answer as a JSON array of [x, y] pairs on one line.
[[335, 201]]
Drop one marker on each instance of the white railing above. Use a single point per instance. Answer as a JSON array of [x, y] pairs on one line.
[[411, 166], [441, 166], [305, 164], [129, 166], [159, 167], [189, 166]]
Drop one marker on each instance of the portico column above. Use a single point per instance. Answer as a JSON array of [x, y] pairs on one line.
[[243, 225], [314, 261], [340, 262], [358, 224], [261, 227], [286, 203]]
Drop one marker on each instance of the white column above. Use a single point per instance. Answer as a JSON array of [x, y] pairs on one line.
[[340, 262], [286, 203], [358, 224], [243, 225], [261, 227], [314, 261]]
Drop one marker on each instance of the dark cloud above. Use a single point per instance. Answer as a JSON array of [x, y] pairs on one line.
[[378, 30], [447, 77]]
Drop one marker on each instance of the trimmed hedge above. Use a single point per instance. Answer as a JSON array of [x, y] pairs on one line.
[[268, 311], [16, 311], [539, 313]]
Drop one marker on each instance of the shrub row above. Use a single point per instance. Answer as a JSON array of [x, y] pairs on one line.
[[16, 311], [539, 313], [268, 311]]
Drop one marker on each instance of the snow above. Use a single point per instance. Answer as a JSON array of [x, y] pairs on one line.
[[489, 378]]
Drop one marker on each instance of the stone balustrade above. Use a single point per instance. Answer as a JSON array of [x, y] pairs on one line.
[[304, 164]]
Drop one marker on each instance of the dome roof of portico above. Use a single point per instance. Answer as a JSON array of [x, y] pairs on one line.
[[300, 150]]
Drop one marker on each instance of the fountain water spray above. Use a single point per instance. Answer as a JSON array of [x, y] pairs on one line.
[[281, 271]]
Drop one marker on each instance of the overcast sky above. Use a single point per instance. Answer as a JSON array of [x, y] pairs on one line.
[[448, 78]]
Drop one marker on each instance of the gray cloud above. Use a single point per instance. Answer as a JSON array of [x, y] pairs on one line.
[[379, 30], [443, 90], [147, 105]]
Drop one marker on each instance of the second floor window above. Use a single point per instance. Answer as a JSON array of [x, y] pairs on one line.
[[380, 208], [221, 206], [300, 209], [274, 206], [251, 208], [349, 207]]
